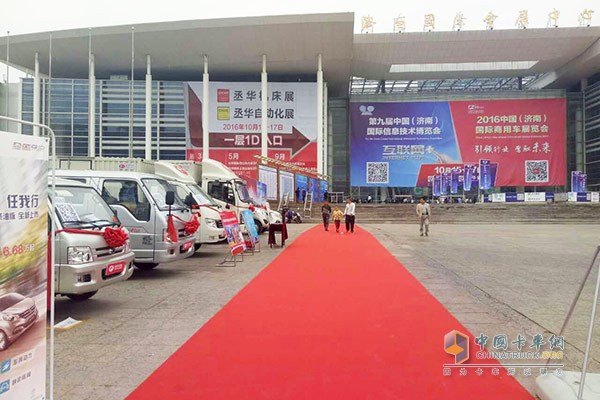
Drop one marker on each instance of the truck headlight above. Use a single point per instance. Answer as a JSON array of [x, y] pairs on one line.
[[211, 222], [9, 317], [79, 255], [127, 246]]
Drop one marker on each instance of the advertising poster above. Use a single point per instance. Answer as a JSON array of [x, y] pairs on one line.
[[324, 188], [23, 266], [302, 186], [237, 245], [575, 181], [268, 175], [454, 180], [261, 191], [235, 117], [250, 226], [286, 184], [314, 187], [437, 185], [524, 139]]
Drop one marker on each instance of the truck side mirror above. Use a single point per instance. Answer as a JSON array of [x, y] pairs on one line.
[[170, 198]]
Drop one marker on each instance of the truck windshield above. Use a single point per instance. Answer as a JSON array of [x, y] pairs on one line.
[[82, 207], [201, 196], [242, 191], [158, 189]]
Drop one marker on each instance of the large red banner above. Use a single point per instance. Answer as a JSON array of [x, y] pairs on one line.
[[526, 138]]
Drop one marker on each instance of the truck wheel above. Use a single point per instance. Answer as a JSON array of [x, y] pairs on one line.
[[259, 227], [197, 246], [4, 342], [82, 296], [145, 266]]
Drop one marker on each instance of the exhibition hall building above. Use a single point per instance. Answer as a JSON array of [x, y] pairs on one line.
[[382, 114]]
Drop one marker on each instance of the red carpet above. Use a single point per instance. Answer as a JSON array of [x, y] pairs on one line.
[[333, 317]]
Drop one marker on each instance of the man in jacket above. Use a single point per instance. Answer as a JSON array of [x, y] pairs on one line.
[[424, 212]]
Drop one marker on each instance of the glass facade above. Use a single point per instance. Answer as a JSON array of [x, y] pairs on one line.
[[592, 133], [65, 107]]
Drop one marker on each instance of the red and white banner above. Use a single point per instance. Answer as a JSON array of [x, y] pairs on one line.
[[235, 116]]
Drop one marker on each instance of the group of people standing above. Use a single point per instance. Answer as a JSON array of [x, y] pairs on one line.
[[423, 213], [349, 214]]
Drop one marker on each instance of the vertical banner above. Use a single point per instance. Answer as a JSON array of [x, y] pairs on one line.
[[286, 184], [468, 176], [235, 116], [454, 180], [324, 188], [485, 175], [237, 244], [445, 182], [23, 266], [268, 175], [437, 185], [575, 181], [315, 188], [261, 191], [583, 183], [301, 186], [250, 226]]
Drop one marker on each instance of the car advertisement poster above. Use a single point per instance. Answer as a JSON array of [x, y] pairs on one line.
[[235, 118], [23, 266], [250, 226], [237, 244], [401, 144]]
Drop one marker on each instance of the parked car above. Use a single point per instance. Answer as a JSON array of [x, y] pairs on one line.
[[17, 314]]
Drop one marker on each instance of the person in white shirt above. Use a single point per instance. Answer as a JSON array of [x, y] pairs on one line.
[[350, 215], [424, 212]]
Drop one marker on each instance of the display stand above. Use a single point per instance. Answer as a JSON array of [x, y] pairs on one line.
[[308, 200], [231, 260], [552, 387], [250, 250]]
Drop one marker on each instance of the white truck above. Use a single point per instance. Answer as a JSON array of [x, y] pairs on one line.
[[228, 189]]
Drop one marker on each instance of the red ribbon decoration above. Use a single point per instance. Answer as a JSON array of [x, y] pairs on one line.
[[171, 230], [190, 227], [113, 237]]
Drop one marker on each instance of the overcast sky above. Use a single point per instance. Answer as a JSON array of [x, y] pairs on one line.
[[20, 17]]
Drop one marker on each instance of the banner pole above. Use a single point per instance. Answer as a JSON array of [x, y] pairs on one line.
[[52, 240]]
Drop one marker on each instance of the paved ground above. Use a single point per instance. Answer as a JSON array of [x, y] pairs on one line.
[[132, 327], [505, 279], [495, 279]]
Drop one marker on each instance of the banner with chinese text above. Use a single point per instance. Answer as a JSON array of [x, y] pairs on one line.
[[231, 225], [23, 265], [523, 139], [235, 115]]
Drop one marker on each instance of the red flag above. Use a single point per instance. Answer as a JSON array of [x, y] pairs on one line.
[[171, 231]]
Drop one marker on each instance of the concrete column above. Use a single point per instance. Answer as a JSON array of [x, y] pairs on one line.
[[319, 116], [205, 117], [264, 128], [148, 123], [36, 95], [92, 108], [325, 131]]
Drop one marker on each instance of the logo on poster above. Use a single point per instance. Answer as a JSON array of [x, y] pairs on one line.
[[475, 109], [366, 110], [4, 386], [223, 95], [5, 367]]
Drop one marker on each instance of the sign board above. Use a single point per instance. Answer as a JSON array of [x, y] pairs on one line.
[[523, 138], [286, 184], [250, 226], [23, 265], [301, 186], [235, 118], [532, 197], [237, 245], [268, 175]]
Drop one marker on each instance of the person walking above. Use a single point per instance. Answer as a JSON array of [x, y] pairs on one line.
[[337, 219], [424, 212], [326, 212], [303, 196], [350, 214]]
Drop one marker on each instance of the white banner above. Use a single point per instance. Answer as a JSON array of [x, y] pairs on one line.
[[535, 197], [23, 258], [286, 184], [595, 197], [268, 176], [498, 197]]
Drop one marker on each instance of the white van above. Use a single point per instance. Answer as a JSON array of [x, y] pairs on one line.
[[211, 227], [84, 261], [139, 199]]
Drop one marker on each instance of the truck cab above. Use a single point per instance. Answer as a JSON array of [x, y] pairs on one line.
[[211, 227], [230, 191], [84, 261], [139, 200]]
